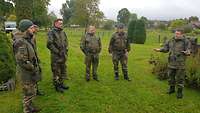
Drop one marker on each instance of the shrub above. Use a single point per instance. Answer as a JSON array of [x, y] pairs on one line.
[[139, 36], [7, 62]]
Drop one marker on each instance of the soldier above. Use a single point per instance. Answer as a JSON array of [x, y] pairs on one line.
[[178, 48], [27, 63], [57, 43], [119, 48], [91, 47]]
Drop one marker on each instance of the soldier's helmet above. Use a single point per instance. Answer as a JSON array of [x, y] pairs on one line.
[[25, 24], [120, 26]]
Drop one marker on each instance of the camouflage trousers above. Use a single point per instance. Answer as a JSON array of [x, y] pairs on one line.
[[91, 60], [121, 58], [59, 73], [176, 77], [29, 92]]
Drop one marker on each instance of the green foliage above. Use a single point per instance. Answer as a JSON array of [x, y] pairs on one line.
[[7, 63], [178, 23], [160, 66], [40, 13], [24, 9], [67, 10], [6, 8], [123, 16], [139, 36], [108, 24], [193, 19], [193, 72], [131, 30], [133, 16], [82, 12]]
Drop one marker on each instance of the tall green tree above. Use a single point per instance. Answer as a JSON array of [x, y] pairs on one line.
[[24, 9], [131, 30], [6, 8], [123, 16], [86, 12], [140, 32], [67, 10], [40, 12]]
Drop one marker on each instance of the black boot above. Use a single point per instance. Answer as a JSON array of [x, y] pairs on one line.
[[116, 76], [95, 78], [87, 77], [180, 93], [39, 93], [34, 109], [126, 77], [59, 88], [171, 90], [64, 86]]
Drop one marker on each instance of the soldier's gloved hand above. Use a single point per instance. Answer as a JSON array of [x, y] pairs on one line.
[[28, 66], [156, 49], [186, 52]]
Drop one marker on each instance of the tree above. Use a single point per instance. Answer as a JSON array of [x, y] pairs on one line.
[[123, 16], [24, 9], [145, 20], [67, 10], [133, 16], [193, 19], [51, 17], [6, 8], [39, 12], [108, 24], [178, 23], [139, 36], [131, 30], [7, 61]]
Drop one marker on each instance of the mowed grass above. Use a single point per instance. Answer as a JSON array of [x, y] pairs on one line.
[[144, 94]]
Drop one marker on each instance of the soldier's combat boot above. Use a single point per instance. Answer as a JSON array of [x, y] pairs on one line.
[[116, 76], [39, 93], [59, 88], [95, 77], [126, 77], [64, 86], [180, 93], [35, 110], [87, 77], [171, 90]]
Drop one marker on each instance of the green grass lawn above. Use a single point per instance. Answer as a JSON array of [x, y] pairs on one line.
[[145, 94]]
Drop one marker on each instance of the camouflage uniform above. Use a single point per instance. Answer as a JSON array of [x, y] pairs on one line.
[[91, 47], [119, 46], [28, 67], [57, 43], [176, 61]]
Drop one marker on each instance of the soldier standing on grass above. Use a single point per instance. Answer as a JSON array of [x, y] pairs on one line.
[[27, 63], [57, 43], [119, 48], [91, 47], [178, 48]]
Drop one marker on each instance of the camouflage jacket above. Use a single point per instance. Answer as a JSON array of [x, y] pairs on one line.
[[175, 47], [90, 44], [57, 43], [26, 57], [119, 43]]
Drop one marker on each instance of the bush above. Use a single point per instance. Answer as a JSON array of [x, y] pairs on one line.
[[139, 36], [7, 62], [131, 30], [192, 78]]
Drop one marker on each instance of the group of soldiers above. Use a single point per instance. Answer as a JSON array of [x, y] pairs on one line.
[[28, 63]]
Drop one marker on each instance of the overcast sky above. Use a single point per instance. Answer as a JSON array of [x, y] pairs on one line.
[[152, 9]]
